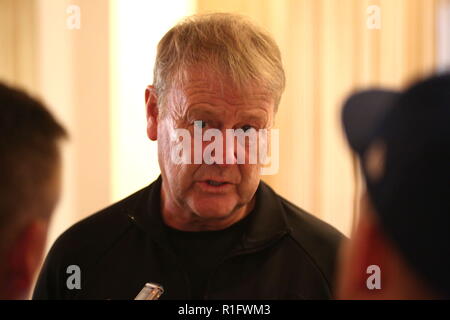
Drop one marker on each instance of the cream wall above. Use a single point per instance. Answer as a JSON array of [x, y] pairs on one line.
[[53, 64], [134, 33], [18, 42], [443, 34], [72, 67]]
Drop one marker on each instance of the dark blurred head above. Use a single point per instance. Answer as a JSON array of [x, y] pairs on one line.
[[403, 142], [29, 188]]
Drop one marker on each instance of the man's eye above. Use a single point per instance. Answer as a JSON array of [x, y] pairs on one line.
[[247, 127], [200, 124]]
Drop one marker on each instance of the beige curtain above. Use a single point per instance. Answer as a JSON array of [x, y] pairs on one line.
[[18, 43], [328, 51]]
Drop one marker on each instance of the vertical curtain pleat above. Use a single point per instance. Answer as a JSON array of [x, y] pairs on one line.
[[18, 43]]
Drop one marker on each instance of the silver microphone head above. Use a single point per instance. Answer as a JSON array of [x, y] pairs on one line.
[[151, 291]]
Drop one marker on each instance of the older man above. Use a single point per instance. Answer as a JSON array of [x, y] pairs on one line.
[[206, 229], [29, 189]]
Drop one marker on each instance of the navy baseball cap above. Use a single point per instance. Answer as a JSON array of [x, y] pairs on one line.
[[403, 142]]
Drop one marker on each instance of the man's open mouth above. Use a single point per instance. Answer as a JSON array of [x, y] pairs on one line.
[[215, 183]]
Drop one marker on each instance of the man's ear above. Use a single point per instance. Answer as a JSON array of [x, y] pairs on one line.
[[151, 102], [24, 258]]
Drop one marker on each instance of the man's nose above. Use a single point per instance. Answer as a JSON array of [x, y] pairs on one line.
[[228, 150]]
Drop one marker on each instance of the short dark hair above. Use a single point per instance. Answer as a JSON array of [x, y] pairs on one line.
[[29, 151]]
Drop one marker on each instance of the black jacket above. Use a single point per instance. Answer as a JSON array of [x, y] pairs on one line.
[[285, 253]]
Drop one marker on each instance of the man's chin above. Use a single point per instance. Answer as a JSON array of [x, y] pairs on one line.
[[214, 210], [213, 213]]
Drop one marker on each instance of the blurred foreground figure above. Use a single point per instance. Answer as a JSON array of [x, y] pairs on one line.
[[29, 187], [401, 246]]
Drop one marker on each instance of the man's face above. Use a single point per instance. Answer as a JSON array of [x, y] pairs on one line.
[[190, 187]]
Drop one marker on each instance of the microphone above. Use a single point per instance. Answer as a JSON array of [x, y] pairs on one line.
[[151, 291]]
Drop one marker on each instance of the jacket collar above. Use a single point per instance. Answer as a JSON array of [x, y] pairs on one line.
[[268, 221]]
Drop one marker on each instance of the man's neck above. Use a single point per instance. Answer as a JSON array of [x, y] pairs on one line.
[[186, 220]]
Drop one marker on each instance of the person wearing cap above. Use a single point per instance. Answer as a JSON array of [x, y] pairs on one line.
[[400, 248], [206, 230]]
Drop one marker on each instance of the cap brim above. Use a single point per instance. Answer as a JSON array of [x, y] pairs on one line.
[[363, 113]]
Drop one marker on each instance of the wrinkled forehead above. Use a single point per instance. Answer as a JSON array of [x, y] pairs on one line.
[[209, 84]]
